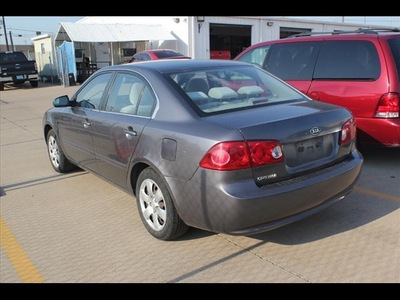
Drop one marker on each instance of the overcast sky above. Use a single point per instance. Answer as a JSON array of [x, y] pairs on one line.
[[24, 28]]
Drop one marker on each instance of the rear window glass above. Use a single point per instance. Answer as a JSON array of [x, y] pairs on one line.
[[292, 61], [394, 45], [348, 60], [255, 56], [166, 54], [10, 57], [220, 90]]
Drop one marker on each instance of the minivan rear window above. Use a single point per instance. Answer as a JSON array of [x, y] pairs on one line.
[[347, 60], [394, 45]]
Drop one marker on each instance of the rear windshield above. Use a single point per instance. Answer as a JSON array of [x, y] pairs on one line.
[[394, 45], [166, 54], [219, 90], [10, 57]]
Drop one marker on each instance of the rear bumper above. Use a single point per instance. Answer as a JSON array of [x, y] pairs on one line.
[[14, 78], [242, 208], [379, 132]]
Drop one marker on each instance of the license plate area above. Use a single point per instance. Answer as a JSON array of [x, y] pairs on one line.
[[308, 150], [310, 147], [20, 77]]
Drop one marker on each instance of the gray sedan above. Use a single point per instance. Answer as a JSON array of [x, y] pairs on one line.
[[218, 145]]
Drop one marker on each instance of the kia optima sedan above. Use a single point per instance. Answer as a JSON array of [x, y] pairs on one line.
[[218, 145]]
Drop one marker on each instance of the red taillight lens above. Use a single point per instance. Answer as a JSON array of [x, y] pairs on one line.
[[241, 155], [388, 106], [265, 152], [227, 156], [348, 132]]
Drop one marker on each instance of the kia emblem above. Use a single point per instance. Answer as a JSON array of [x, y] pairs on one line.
[[315, 130]]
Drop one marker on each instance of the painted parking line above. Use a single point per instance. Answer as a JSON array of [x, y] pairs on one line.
[[377, 194], [24, 267]]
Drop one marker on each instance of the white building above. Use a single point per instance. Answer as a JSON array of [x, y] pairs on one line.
[[112, 40]]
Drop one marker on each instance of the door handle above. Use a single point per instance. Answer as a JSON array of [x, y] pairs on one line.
[[86, 124], [130, 133]]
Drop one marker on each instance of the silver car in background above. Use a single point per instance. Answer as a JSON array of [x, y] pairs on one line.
[[217, 145]]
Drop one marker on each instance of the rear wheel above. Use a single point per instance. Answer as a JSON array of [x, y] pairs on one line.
[[34, 83], [156, 208], [57, 157], [1, 86]]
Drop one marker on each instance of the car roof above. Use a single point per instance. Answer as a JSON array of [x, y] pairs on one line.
[[158, 50], [174, 65], [360, 34], [366, 33]]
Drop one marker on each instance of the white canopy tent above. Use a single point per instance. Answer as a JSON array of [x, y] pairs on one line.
[[102, 34], [83, 32]]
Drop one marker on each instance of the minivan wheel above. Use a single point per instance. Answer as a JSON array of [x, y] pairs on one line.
[[156, 208], [57, 157]]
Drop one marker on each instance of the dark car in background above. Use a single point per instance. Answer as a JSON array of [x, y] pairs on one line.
[[156, 54], [219, 145], [358, 69], [16, 68]]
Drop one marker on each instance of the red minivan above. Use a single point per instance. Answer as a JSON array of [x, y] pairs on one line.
[[359, 70]]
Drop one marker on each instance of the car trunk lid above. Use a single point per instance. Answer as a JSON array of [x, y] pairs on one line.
[[308, 132]]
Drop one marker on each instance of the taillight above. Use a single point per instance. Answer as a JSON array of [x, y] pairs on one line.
[[388, 106], [348, 132], [241, 155]]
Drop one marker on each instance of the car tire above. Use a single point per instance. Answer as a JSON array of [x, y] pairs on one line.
[[1, 86], [57, 157], [34, 83], [156, 208]]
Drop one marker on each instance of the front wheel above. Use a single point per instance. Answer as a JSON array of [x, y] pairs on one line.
[[57, 157], [156, 208]]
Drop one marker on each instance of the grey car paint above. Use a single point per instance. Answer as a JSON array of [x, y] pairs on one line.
[[175, 138]]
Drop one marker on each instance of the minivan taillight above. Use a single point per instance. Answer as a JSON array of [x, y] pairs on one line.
[[348, 132], [388, 106], [238, 155]]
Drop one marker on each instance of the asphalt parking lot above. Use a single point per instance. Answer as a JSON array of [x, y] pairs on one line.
[[76, 228]]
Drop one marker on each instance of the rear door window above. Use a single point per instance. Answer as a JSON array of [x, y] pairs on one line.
[[394, 45], [347, 60], [292, 61]]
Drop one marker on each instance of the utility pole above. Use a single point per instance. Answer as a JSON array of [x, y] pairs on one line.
[[5, 33], [12, 43]]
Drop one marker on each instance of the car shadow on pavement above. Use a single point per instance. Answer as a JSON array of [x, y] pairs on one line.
[[346, 215], [27, 86], [41, 180], [195, 234]]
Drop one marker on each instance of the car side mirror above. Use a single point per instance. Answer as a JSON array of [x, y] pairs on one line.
[[61, 101]]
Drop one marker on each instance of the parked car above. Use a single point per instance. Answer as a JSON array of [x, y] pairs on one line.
[[218, 145], [16, 68], [156, 54], [359, 70]]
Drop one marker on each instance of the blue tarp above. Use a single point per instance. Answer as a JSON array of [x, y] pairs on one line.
[[66, 61]]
